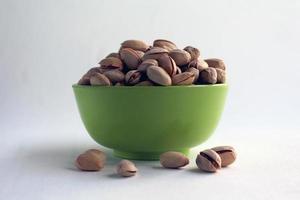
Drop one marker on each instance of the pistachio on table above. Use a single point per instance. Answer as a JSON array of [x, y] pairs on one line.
[[226, 153], [173, 160], [126, 168], [91, 160], [208, 160]]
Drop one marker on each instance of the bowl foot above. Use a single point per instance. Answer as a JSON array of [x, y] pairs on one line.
[[144, 155]]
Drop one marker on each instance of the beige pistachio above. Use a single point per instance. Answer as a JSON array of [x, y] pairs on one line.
[[194, 52], [221, 75], [146, 63], [227, 154], [99, 79], [208, 160], [131, 58], [115, 75], [111, 63], [181, 57], [208, 76], [114, 55], [195, 72], [168, 64], [198, 64], [173, 160], [158, 75], [135, 45], [126, 168], [185, 78], [133, 77], [216, 63], [144, 83], [165, 44], [154, 53], [91, 160]]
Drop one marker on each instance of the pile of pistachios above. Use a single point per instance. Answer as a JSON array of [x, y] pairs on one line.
[[163, 64]]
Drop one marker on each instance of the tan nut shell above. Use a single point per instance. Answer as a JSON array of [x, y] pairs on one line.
[[173, 159], [126, 168], [158, 75]]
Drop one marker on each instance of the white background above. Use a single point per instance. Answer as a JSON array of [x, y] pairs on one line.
[[45, 46]]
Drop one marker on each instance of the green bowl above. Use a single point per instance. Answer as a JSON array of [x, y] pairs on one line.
[[141, 122]]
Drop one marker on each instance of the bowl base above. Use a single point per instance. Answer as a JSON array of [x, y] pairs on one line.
[[144, 155]]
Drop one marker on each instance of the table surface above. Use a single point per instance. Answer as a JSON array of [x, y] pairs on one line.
[[39, 165]]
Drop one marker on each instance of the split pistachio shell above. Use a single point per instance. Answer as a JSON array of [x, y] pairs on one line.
[[126, 168], [135, 45], [133, 77], [168, 64], [115, 75], [208, 160], [185, 78], [181, 57], [227, 154], [154, 53], [131, 58], [91, 160]]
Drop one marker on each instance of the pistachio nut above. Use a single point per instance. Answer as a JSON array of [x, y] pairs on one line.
[[135, 45], [168, 64], [126, 168], [208, 76], [115, 75], [215, 63], [165, 44], [208, 160], [173, 160], [154, 53], [133, 77], [131, 58], [181, 57], [185, 78], [194, 52], [227, 154], [158, 75], [99, 79], [146, 63]]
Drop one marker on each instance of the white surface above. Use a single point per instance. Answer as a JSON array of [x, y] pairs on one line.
[[45, 46]]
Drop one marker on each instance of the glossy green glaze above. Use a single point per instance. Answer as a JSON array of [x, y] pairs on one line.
[[141, 122]]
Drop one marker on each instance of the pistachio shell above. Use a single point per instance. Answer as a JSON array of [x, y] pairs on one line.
[[146, 63], [208, 76], [154, 53], [215, 63], [133, 77], [194, 52], [208, 160], [135, 45], [181, 57], [168, 64], [126, 168], [221, 75], [174, 160], [111, 62], [185, 78], [131, 58], [158, 75], [115, 75], [195, 72], [165, 44], [99, 79]]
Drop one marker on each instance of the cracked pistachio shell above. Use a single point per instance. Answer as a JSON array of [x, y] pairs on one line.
[[133, 77], [154, 53], [195, 72], [227, 154], [126, 168], [168, 64], [158, 75], [185, 78], [208, 160], [131, 58]]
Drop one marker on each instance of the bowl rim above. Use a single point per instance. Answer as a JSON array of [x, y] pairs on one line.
[[75, 85]]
